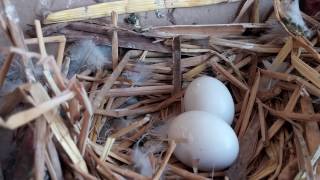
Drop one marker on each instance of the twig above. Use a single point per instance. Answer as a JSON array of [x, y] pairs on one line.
[[58, 127], [24, 117], [184, 173], [281, 155], [176, 67], [250, 104], [40, 135], [256, 11], [50, 167], [131, 127], [107, 148], [244, 45], [312, 132], [125, 172], [42, 47], [61, 39], [279, 122], [115, 55], [100, 95], [142, 110], [292, 115], [264, 134], [304, 159], [54, 157], [139, 91], [172, 146], [84, 132], [229, 76], [102, 168], [244, 9], [242, 112]]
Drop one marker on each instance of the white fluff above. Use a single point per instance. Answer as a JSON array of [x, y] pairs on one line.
[[11, 13], [121, 123], [87, 55], [138, 75], [142, 162]]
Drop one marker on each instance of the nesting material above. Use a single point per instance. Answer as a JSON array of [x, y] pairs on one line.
[[86, 55], [108, 119]]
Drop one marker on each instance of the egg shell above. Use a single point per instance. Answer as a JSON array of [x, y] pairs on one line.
[[204, 137], [211, 95]]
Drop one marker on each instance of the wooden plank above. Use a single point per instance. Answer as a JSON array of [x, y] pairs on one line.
[[126, 40], [122, 7]]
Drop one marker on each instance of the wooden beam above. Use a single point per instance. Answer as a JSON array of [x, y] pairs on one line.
[[122, 7]]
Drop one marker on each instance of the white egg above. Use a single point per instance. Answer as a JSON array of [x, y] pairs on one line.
[[204, 137], [211, 95]]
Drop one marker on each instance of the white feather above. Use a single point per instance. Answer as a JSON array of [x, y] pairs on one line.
[[138, 75], [142, 162], [87, 55]]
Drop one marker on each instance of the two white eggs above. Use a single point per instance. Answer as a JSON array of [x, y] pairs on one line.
[[205, 128]]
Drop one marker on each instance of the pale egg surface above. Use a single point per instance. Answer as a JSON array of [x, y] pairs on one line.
[[211, 95], [204, 137]]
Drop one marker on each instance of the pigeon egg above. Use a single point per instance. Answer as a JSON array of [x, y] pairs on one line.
[[205, 138], [211, 95]]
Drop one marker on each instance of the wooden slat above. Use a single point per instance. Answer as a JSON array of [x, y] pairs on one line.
[[122, 7]]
